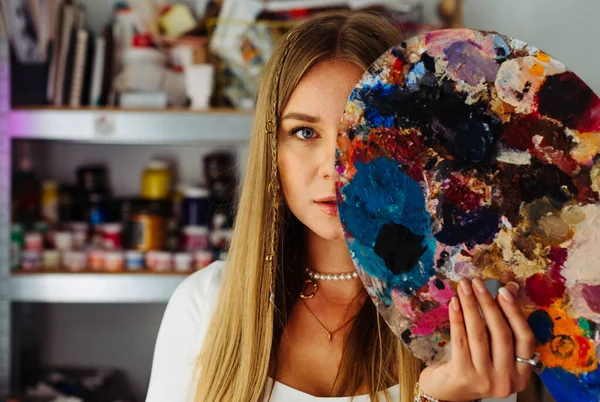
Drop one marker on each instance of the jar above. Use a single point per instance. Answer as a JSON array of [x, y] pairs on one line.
[[163, 261], [156, 180], [31, 260], [202, 259], [50, 201], [196, 206], [51, 260], [183, 262], [114, 261], [80, 232], [147, 227], [97, 260], [134, 261], [75, 261], [112, 236], [196, 238], [17, 242], [63, 241], [34, 241], [92, 178]]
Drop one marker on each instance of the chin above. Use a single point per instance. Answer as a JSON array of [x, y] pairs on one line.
[[329, 231]]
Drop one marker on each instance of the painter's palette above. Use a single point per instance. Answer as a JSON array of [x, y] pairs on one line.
[[469, 154]]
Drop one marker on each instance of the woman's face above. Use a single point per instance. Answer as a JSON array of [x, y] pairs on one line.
[[306, 145]]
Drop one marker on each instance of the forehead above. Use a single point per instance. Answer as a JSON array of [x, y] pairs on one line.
[[324, 89]]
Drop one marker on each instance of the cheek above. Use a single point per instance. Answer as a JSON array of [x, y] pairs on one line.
[[295, 175]]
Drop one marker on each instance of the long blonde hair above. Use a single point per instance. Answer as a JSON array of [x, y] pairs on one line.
[[241, 346]]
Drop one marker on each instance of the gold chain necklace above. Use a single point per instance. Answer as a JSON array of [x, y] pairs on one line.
[[329, 333]]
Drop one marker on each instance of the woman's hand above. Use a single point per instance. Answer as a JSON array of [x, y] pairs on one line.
[[483, 363]]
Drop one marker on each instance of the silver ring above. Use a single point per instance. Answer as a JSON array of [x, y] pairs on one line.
[[535, 359]]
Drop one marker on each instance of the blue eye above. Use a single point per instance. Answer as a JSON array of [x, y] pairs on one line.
[[303, 133]]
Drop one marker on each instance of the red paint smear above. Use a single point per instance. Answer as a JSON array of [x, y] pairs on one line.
[[396, 73], [543, 291], [519, 133], [460, 195], [591, 294], [557, 157], [432, 320], [405, 147], [584, 348], [590, 121]]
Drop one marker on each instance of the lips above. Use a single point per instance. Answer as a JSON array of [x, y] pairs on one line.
[[328, 205]]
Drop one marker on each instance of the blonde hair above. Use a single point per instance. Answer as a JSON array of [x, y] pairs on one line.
[[241, 346]]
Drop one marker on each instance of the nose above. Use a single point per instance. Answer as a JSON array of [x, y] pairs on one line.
[[326, 157]]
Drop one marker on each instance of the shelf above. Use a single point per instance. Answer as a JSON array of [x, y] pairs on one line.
[[118, 126], [94, 287]]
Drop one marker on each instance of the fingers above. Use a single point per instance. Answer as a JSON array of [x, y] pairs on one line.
[[476, 330], [458, 335], [503, 357], [524, 338]]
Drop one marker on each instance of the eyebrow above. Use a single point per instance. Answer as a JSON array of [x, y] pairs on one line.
[[302, 117]]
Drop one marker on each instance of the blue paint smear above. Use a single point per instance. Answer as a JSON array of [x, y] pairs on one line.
[[415, 75], [567, 387], [502, 49], [472, 228], [377, 111], [380, 193], [542, 326]]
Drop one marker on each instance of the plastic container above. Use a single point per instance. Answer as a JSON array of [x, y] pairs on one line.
[[51, 260], [163, 261], [112, 236], [151, 259], [114, 261], [196, 238], [34, 241], [75, 261], [97, 260], [156, 181], [31, 260], [202, 259], [183, 262], [134, 261], [63, 241], [195, 206]]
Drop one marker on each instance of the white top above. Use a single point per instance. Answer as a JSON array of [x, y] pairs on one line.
[[182, 333]]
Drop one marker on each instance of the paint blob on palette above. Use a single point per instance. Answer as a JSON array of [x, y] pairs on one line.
[[470, 154]]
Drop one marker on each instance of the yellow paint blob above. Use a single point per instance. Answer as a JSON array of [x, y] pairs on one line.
[[543, 57], [537, 70]]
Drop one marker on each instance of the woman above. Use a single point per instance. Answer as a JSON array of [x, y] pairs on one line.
[[233, 328]]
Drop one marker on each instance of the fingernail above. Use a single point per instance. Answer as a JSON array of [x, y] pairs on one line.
[[466, 287], [506, 294], [515, 284], [455, 304], [479, 285]]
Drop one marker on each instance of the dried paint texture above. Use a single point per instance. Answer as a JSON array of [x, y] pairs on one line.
[[468, 154]]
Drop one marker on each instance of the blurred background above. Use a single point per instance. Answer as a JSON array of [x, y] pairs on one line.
[[124, 129]]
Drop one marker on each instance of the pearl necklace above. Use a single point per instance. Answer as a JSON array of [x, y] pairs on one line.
[[347, 276]]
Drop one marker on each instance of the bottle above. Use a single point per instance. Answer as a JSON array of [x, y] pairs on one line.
[[50, 201], [26, 194]]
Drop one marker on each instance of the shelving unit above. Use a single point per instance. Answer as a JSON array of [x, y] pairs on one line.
[[217, 128], [117, 126], [94, 287]]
